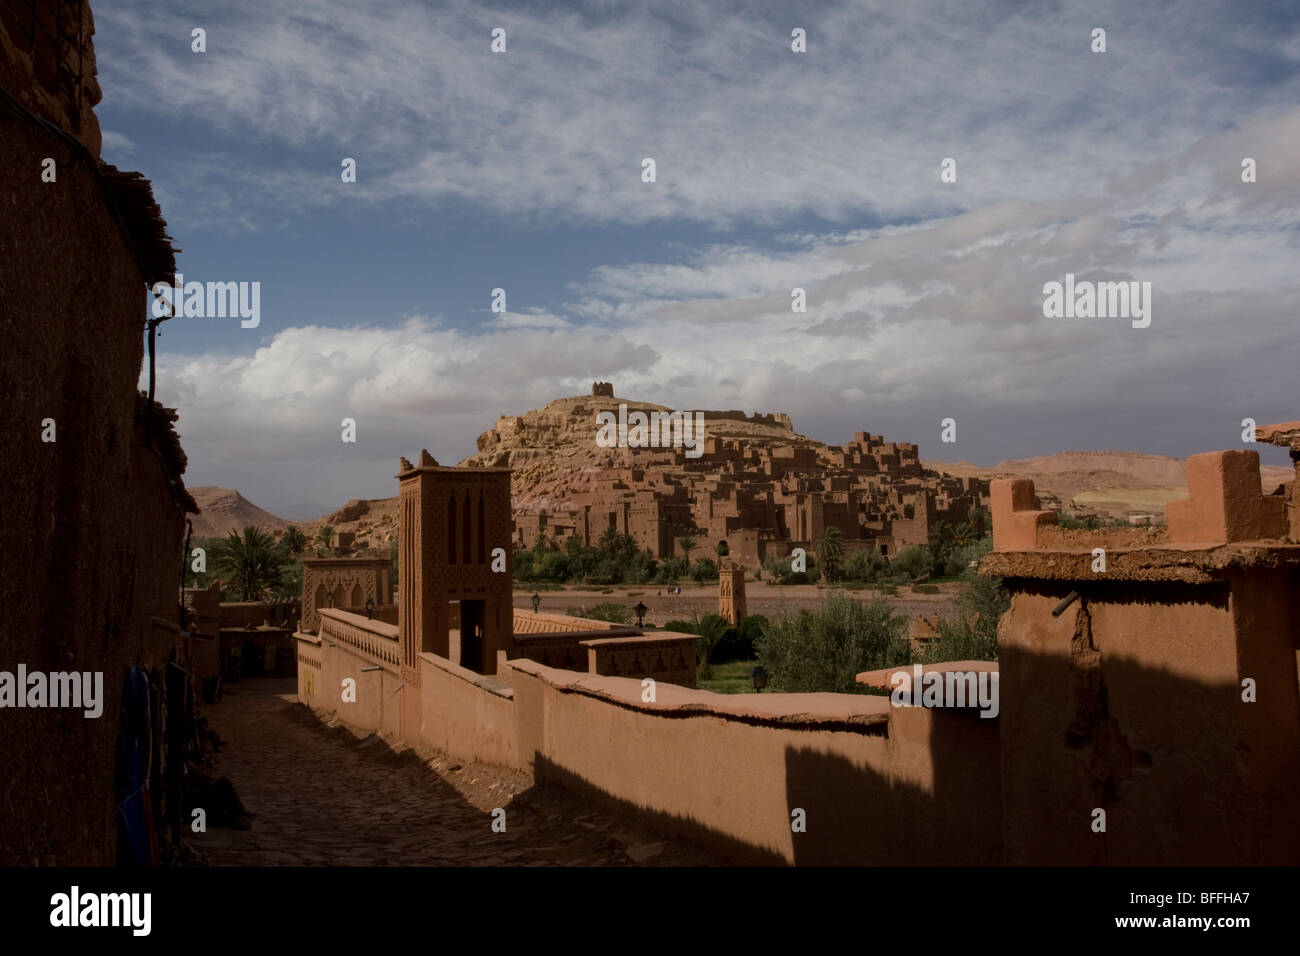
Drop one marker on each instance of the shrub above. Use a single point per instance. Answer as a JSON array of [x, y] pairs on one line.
[[970, 631], [825, 649], [738, 643], [925, 588], [703, 570], [610, 611], [958, 561], [671, 570], [911, 563], [779, 569], [863, 565]]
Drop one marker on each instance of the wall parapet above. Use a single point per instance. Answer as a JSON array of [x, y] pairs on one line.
[[533, 622], [861, 713], [375, 639], [665, 656]]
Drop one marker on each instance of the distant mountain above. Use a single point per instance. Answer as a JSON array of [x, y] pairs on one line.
[[1104, 482], [225, 509]]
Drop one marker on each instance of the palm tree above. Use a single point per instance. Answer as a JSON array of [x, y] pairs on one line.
[[293, 540], [830, 553], [963, 534], [250, 564], [711, 628], [687, 544], [325, 535]]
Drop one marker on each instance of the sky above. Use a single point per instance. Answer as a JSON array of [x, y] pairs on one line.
[[774, 170]]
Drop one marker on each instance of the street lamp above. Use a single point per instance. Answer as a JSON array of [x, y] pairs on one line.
[[370, 607], [640, 610], [759, 676], [537, 602]]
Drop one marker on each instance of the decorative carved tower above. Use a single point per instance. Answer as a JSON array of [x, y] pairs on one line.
[[451, 521], [731, 591]]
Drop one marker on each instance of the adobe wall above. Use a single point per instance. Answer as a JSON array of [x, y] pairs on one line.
[[90, 545], [466, 714], [878, 785], [325, 660], [47, 59], [1129, 699], [256, 613]]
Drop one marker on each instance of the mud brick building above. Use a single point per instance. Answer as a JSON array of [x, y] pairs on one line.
[[762, 496], [94, 525]]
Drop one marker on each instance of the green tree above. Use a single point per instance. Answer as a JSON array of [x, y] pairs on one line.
[[704, 570], [671, 570], [687, 544], [912, 563], [830, 553], [969, 632], [865, 565], [825, 649], [325, 535], [293, 540], [250, 564]]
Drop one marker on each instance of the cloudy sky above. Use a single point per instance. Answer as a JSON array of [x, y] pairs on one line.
[[775, 169]]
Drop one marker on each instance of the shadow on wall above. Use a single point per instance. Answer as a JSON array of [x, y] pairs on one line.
[[1185, 770], [942, 808], [667, 824]]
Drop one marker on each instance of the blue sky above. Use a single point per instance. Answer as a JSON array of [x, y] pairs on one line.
[[775, 169]]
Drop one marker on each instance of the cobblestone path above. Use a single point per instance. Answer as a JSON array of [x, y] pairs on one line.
[[322, 796]]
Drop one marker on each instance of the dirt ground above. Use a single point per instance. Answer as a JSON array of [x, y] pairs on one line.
[[321, 795], [768, 599]]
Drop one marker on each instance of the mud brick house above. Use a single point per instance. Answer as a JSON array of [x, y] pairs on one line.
[[94, 514], [762, 498], [1163, 688]]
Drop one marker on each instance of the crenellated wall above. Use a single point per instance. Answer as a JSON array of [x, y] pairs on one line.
[[1151, 674]]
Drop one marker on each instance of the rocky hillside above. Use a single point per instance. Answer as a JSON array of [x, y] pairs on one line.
[[549, 448], [1103, 482], [224, 509], [555, 446]]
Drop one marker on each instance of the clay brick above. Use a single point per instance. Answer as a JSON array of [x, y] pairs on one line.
[[1016, 516], [1225, 503]]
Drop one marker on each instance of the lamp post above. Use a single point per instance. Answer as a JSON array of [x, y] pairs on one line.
[[537, 602], [640, 610], [759, 676], [370, 607]]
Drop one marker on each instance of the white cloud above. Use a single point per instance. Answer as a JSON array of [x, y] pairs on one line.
[[742, 129]]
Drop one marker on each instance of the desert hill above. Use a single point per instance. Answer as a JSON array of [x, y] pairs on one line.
[[554, 447], [1103, 482], [224, 509], [550, 450]]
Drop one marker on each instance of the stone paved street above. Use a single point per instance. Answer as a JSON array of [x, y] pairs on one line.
[[322, 796]]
